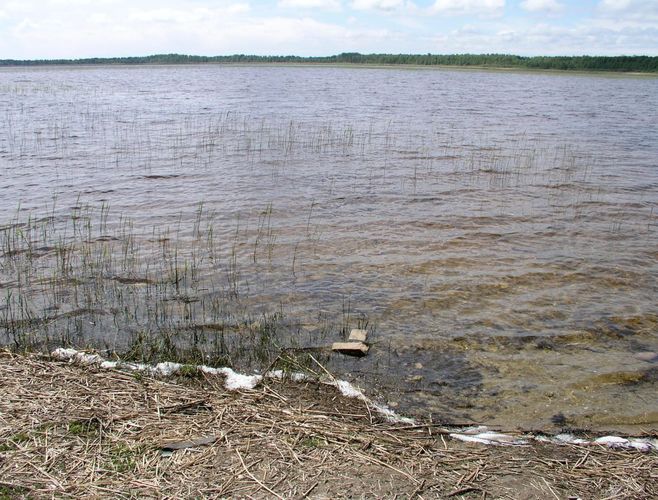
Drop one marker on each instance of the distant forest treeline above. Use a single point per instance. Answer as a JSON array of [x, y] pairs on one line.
[[645, 64]]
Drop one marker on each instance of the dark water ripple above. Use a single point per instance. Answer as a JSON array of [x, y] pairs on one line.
[[499, 229]]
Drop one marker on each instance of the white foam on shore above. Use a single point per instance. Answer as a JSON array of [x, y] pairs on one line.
[[238, 381]]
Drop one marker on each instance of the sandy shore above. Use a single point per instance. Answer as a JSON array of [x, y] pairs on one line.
[[76, 431]]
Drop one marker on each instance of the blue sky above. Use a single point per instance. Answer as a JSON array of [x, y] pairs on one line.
[[32, 29]]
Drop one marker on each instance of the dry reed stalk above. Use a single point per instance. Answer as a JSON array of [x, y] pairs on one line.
[[74, 431]]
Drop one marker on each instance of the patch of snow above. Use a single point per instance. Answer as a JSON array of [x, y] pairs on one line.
[[470, 438], [63, 354], [235, 381], [502, 438], [167, 368], [568, 439], [612, 441], [349, 391], [391, 416], [275, 374], [209, 370], [72, 355], [136, 367], [88, 359], [299, 377], [491, 438], [477, 429], [641, 445], [294, 376]]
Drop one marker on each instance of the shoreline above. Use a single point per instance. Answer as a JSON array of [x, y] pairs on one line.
[[471, 432], [414, 67], [69, 429]]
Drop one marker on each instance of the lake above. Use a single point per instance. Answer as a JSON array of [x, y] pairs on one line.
[[495, 231]]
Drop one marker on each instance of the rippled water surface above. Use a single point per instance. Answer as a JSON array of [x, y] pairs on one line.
[[496, 232]]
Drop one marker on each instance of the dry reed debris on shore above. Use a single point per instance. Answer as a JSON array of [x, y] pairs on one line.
[[74, 431]]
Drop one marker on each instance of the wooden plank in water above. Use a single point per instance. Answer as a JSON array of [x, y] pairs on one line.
[[350, 348], [357, 335]]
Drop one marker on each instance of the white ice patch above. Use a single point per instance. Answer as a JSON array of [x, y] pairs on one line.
[[235, 381], [136, 367], [645, 445], [275, 374], [470, 439], [503, 439], [63, 354], [640, 444], [167, 368], [612, 441], [477, 429], [493, 438], [209, 370], [71, 355], [568, 439], [294, 376], [391, 416], [299, 377], [348, 390]]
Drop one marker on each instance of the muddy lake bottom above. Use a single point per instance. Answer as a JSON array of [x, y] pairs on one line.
[[494, 232], [74, 431]]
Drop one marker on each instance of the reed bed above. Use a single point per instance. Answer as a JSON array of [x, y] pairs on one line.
[[88, 276], [177, 294], [71, 431]]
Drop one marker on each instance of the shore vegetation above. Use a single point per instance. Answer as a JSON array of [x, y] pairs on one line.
[[629, 63]]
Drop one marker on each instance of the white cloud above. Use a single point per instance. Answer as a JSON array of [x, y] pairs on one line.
[[629, 8], [548, 39], [334, 5], [31, 29], [167, 26], [619, 14], [615, 4], [551, 6], [469, 7], [385, 5]]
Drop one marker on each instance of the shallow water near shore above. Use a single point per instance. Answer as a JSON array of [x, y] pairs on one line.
[[495, 232]]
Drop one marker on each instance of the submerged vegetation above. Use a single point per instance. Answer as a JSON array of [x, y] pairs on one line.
[[634, 63], [77, 280]]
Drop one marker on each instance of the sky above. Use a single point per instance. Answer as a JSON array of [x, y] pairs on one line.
[[47, 29]]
